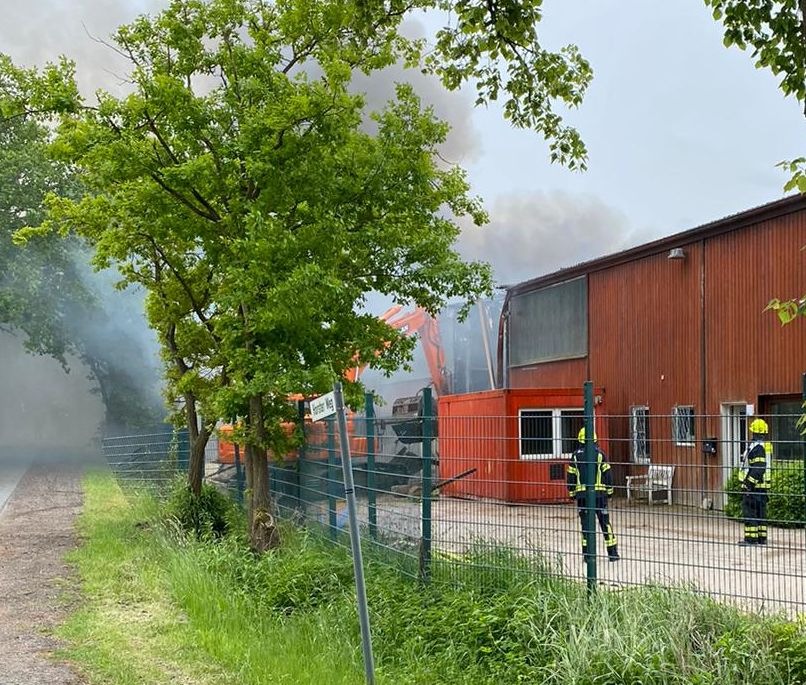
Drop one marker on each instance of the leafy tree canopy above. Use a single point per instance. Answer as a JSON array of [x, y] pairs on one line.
[[45, 292], [240, 185]]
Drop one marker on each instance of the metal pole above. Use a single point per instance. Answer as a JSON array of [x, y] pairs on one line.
[[239, 488], [355, 540], [428, 434], [372, 512], [803, 396], [301, 455], [331, 477], [589, 529]]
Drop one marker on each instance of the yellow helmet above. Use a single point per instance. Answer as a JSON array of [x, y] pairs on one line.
[[581, 435], [759, 426]]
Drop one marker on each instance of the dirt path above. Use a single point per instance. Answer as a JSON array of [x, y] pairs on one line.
[[36, 530]]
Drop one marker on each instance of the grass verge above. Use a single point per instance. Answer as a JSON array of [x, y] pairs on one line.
[[164, 607]]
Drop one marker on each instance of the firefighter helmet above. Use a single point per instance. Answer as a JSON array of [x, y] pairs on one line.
[[581, 435], [759, 426]]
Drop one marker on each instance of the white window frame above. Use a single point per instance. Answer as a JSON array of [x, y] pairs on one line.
[[639, 440], [678, 416], [556, 433]]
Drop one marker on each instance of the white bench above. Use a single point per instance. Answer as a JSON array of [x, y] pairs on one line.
[[657, 479]]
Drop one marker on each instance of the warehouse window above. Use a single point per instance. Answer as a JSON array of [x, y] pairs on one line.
[[639, 434], [549, 433], [683, 425], [784, 432], [549, 324]]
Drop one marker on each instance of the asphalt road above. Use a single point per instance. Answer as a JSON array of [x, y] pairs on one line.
[[10, 475]]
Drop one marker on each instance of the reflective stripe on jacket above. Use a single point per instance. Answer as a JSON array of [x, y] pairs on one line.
[[754, 476], [604, 477]]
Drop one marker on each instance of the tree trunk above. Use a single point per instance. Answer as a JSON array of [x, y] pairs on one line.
[[263, 532], [199, 436]]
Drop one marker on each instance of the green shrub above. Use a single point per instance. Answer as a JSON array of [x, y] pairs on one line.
[[733, 490], [210, 514], [787, 504], [299, 576]]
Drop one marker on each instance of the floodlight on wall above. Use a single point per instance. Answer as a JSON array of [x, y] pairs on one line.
[[677, 253]]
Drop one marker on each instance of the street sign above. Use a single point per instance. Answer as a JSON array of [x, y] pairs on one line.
[[323, 406]]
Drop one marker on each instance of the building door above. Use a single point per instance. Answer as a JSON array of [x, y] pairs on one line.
[[733, 445]]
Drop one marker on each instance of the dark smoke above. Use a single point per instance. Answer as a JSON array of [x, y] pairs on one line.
[[531, 235]]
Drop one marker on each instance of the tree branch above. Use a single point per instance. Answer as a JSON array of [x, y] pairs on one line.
[[197, 309], [211, 213]]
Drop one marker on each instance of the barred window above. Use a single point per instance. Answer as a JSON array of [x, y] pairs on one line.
[[639, 435], [683, 425]]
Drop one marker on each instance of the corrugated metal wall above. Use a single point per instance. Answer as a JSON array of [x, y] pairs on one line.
[[691, 331], [645, 347], [559, 374]]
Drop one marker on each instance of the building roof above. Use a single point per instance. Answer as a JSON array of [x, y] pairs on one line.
[[771, 210]]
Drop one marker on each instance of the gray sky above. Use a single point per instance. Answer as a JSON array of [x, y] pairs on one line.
[[680, 130]]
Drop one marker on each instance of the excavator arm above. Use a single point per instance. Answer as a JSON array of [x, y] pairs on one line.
[[417, 322]]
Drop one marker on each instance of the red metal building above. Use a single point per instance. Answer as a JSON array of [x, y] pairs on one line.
[[675, 334]]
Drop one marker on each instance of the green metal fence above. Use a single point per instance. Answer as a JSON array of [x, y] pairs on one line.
[[494, 496], [147, 460], [441, 497]]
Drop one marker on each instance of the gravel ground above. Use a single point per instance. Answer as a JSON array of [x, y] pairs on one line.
[[36, 530]]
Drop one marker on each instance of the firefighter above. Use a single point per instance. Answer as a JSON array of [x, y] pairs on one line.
[[603, 486], [754, 481]]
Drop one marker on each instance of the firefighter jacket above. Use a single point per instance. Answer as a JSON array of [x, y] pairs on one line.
[[574, 476], [754, 476]]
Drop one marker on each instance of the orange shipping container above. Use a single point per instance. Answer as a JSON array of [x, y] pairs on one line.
[[501, 433]]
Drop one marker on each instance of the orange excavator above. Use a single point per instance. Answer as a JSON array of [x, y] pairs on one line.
[[416, 322]]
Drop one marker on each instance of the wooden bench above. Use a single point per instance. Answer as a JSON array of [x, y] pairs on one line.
[[657, 479]]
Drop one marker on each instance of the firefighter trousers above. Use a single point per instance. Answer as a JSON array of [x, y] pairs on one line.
[[603, 516], [754, 513]]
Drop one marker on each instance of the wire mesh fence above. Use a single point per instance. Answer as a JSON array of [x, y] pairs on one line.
[[673, 509], [491, 493], [150, 460]]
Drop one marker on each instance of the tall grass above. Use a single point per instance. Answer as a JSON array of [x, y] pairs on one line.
[[289, 617]]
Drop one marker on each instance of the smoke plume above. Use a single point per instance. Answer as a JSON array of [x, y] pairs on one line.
[[531, 235], [43, 410], [33, 33]]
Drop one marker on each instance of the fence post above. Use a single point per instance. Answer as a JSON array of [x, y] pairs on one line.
[[372, 513], [239, 485], [427, 434], [589, 477], [331, 476], [803, 509], [301, 455]]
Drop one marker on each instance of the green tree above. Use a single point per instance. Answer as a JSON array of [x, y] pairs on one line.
[[45, 294], [237, 184]]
